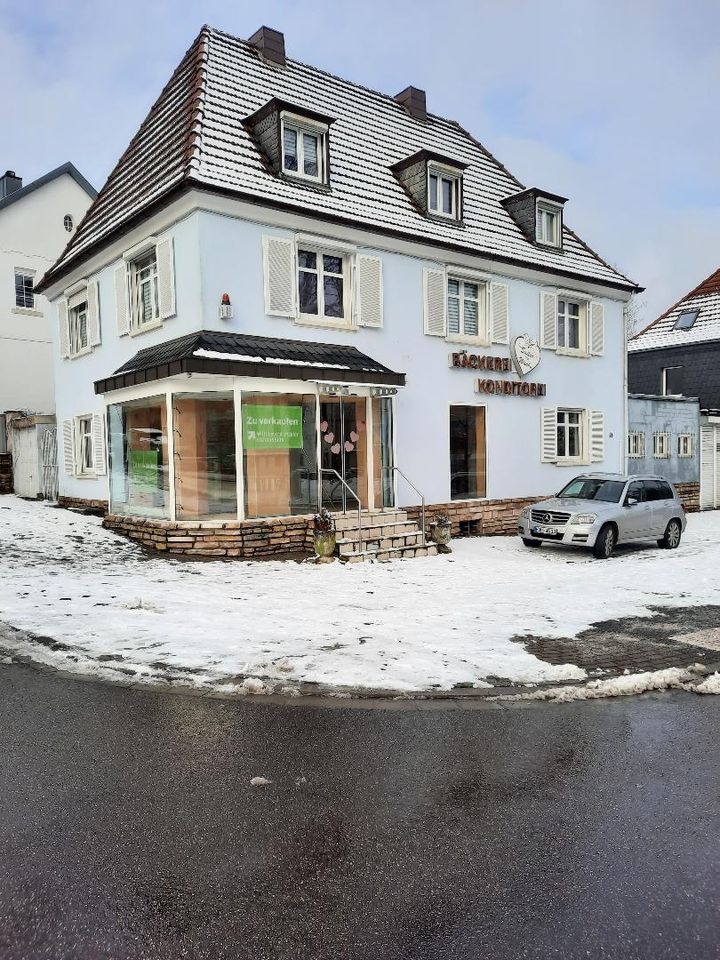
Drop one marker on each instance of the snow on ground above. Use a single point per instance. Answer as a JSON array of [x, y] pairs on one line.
[[405, 625]]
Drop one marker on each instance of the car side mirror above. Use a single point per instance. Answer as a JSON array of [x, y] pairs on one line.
[[631, 501]]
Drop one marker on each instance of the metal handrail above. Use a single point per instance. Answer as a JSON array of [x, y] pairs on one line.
[[422, 501], [359, 509]]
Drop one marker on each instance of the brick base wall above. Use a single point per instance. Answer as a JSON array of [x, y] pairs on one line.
[[689, 493], [78, 503], [482, 517], [215, 538], [6, 473]]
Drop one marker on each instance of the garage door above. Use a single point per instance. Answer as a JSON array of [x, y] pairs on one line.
[[710, 467]]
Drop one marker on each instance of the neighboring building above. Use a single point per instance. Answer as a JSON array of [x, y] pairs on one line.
[[678, 355], [288, 273], [36, 223], [664, 440]]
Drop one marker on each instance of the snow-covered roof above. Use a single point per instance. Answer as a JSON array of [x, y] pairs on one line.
[[194, 135], [705, 299]]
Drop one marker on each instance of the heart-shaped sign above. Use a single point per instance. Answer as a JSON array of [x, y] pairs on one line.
[[526, 354]]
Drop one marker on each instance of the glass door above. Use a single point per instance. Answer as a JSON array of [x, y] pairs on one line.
[[343, 448]]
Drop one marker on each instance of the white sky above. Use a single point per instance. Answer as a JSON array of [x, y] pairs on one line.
[[612, 103]]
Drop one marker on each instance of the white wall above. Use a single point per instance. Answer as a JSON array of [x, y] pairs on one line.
[[216, 254], [32, 236]]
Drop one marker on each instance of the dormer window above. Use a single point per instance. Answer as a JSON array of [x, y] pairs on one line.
[[548, 223], [303, 148], [433, 182], [443, 192]]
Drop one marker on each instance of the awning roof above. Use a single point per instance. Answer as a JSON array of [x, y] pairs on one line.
[[242, 355]]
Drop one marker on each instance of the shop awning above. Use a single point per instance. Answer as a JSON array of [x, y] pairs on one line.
[[242, 355]]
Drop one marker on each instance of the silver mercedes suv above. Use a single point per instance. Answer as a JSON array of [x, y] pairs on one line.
[[600, 510]]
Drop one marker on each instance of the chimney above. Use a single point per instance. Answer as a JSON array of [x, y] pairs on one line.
[[9, 183], [414, 102], [271, 44]]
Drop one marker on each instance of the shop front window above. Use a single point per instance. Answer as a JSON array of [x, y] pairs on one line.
[[467, 452], [279, 454], [205, 478], [138, 439]]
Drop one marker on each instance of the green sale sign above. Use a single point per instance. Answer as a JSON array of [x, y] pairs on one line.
[[272, 427]]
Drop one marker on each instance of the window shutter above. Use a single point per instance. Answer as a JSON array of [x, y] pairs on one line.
[[93, 307], [279, 268], [64, 335], [69, 447], [369, 291], [596, 336], [499, 315], [98, 437], [122, 306], [549, 434], [435, 302], [548, 320], [166, 277], [597, 436]]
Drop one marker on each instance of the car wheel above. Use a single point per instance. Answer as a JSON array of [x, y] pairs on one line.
[[605, 543], [672, 537], [531, 543]]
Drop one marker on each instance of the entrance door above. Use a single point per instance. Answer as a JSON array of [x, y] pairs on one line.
[[709, 467], [343, 448]]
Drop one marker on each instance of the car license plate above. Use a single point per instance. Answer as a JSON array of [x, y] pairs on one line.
[[543, 529]]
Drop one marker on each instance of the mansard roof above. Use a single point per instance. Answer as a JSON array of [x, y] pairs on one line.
[[661, 333], [195, 135]]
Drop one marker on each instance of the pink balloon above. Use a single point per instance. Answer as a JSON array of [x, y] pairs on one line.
[[323, 426], [354, 436], [329, 437], [349, 447], [335, 448]]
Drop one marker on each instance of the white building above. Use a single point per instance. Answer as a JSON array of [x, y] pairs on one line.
[[397, 299], [36, 223]]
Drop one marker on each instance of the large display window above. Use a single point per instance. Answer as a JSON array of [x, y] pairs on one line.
[[279, 454], [204, 456], [138, 444]]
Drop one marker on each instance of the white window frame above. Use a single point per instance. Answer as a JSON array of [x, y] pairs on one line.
[[481, 338], [583, 323], [582, 425], [455, 179], [135, 302], [661, 445], [677, 366], [73, 317], [686, 445], [636, 445], [320, 319], [301, 125], [543, 209], [84, 444], [24, 272]]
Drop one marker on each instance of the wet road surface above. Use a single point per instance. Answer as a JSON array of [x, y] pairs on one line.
[[129, 828]]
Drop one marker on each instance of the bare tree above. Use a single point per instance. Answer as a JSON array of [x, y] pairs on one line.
[[634, 316]]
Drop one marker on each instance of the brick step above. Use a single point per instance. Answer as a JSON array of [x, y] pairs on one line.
[[344, 521], [373, 532], [347, 547], [384, 556]]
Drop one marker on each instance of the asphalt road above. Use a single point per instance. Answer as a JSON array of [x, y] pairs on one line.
[[129, 828]]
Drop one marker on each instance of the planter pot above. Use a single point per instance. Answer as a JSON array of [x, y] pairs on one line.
[[324, 544]]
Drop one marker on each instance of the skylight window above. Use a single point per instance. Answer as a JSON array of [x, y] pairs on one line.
[[686, 320]]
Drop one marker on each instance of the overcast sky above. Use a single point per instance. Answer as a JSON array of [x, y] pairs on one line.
[[612, 103]]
